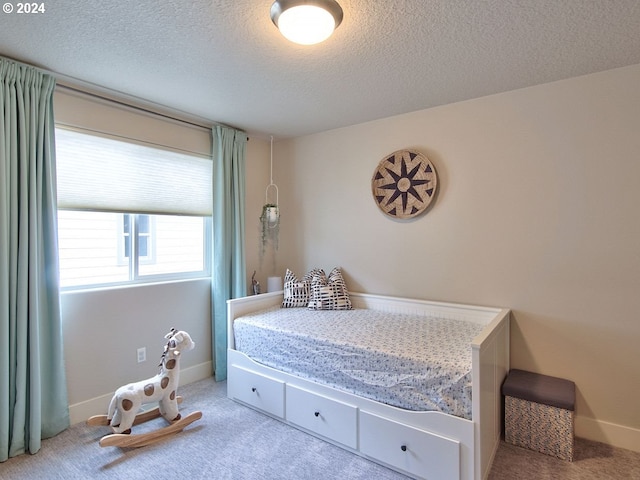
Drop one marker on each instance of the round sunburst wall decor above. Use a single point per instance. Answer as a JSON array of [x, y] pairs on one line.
[[404, 184]]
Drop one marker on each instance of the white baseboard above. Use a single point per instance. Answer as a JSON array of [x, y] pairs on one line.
[[609, 433], [81, 411], [196, 373]]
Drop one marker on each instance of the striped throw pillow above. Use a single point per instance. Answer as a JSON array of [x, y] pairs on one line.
[[329, 293], [297, 292]]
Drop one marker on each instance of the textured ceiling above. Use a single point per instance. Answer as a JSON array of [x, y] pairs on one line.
[[225, 61]]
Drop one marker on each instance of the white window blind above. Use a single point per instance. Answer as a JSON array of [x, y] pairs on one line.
[[105, 174]]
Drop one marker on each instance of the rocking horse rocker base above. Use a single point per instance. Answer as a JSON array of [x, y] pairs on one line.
[[128, 400], [128, 440]]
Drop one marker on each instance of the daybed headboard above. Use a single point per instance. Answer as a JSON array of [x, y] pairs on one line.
[[455, 311]]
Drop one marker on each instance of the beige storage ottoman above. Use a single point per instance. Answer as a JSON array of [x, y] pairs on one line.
[[539, 413]]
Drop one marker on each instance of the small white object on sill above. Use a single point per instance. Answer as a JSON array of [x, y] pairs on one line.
[[274, 284]]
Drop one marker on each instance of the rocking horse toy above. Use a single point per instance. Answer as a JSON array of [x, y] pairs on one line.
[[126, 402]]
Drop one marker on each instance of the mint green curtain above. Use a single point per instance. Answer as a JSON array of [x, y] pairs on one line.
[[229, 272], [33, 391]]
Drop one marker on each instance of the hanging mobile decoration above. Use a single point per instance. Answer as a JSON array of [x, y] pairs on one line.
[[270, 217]]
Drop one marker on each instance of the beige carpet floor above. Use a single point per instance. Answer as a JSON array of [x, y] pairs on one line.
[[592, 461]]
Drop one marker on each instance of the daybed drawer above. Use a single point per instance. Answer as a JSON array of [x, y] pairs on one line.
[[327, 417], [417, 452], [257, 390]]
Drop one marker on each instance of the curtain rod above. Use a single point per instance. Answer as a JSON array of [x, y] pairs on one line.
[[62, 85]]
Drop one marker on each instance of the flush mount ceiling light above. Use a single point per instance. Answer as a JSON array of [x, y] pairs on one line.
[[306, 22]]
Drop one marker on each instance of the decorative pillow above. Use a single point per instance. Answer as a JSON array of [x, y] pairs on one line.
[[296, 292], [329, 293]]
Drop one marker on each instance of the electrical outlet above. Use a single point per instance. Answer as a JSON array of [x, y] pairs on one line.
[[142, 354]]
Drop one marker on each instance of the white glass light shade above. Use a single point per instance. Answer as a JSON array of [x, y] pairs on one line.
[[306, 22]]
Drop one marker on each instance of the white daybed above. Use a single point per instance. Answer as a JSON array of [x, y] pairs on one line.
[[422, 444]]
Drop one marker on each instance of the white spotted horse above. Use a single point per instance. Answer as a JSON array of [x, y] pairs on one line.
[[127, 400]]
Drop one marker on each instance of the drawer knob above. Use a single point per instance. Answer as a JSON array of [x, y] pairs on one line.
[[253, 389], [317, 414], [403, 448]]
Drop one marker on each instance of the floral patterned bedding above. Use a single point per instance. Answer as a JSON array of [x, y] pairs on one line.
[[409, 361]]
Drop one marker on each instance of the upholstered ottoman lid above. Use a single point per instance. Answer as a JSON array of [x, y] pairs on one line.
[[533, 387]]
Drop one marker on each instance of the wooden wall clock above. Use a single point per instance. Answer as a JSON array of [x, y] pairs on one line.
[[404, 184]]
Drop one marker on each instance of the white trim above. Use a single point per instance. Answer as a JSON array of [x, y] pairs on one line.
[[80, 412], [610, 433]]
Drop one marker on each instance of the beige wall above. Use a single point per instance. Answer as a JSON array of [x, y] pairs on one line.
[[537, 211], [102, 330], [257, 179]]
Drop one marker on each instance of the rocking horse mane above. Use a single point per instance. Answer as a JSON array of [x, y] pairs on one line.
[[167, 346]]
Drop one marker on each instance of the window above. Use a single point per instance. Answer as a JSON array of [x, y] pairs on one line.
[[95, 248], [102, 241], [145, 237]]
